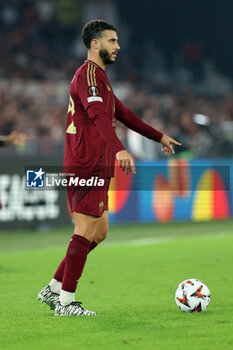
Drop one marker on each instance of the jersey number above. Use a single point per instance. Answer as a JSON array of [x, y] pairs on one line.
[[71, 129], [71, 106]]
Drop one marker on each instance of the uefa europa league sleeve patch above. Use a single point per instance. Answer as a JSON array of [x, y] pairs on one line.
[[93, 91]]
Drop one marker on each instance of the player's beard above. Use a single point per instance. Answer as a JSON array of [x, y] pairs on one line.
[[106, 56]]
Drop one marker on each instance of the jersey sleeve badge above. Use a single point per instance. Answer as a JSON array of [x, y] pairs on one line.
[[93, 91]]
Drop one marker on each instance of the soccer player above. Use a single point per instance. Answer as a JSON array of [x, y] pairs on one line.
[[91, 147]]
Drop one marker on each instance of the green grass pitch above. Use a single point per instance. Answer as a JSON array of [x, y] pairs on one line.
[[130, 281]]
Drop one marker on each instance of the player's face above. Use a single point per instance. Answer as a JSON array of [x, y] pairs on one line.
[[109, 46]]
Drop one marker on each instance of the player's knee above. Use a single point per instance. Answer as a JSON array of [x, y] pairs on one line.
[[88, 234]]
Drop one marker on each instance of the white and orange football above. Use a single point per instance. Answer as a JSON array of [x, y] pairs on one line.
[[192, 295]]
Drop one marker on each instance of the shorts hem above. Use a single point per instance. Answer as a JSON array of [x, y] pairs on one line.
[[87, 212]]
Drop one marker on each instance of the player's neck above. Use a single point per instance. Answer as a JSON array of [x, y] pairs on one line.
[[96, 60]]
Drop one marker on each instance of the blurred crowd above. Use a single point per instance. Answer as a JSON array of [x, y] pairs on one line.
[[187, 98], [203, 124]]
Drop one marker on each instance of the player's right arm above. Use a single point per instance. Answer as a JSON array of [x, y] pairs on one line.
[[93, 98]]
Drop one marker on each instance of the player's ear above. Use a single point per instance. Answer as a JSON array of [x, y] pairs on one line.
[[95, 44]]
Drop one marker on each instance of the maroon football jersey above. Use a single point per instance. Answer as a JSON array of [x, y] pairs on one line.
[[91, 142], [86, 153]]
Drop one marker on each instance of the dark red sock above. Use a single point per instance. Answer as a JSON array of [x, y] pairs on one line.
[[93, 245], [60, 270], [75, 260]]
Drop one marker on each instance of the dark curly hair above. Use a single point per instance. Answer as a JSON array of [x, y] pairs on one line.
[[94, 30]]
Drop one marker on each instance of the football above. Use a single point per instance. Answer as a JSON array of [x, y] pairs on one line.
[[192, 295]]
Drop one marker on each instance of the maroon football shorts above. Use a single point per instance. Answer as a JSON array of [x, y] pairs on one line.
[[89, 200]]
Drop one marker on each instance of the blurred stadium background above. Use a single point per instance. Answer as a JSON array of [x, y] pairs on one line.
[[174, 70]]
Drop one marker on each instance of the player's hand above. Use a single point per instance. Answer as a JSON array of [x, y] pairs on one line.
[[167, 143], [18, 139], [125, 161]]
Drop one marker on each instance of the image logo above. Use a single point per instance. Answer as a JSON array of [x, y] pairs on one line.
[[35, 178], [93, 91]]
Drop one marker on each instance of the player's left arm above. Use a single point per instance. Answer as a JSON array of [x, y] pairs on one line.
[[135, 123]]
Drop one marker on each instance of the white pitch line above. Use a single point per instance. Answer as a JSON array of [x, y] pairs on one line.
[[139, 241], [160, 240]]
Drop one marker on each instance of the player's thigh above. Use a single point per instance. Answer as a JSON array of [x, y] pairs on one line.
[[86, 225], [102, 228]]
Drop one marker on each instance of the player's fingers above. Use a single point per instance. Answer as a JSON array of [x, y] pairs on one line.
[[175, 142], [132, 166], [123, 165], [170, 148], [165, 149], [128, 169]]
